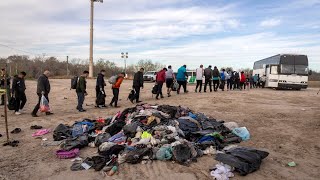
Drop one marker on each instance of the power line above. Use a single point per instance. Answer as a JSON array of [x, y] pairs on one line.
[[28, 52]]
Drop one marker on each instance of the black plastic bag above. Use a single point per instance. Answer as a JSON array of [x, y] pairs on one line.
[[182, 153], [136, 156], [101, 99], [12, 103], [79, 142], [244, 160]]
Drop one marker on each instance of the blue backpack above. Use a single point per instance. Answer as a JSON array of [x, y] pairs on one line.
[[222, 76]]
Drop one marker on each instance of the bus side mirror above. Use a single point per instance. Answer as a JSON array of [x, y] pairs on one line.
[[310, 72]]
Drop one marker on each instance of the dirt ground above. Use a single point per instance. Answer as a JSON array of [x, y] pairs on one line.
[[285, 123]]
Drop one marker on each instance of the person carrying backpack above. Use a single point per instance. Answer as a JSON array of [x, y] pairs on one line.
[[100, 92], [18, 91], [138, 83], [215, 78], [81, 90], [160, 79], [208, 78], [116, 90]]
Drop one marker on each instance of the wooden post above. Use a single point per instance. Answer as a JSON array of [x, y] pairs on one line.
[[5, 103]]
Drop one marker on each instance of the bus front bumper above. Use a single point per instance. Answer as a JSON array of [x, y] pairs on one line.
[[292, 86]]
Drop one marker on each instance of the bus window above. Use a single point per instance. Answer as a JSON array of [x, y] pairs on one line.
[[274, 70], [287, 69], [301, 69]]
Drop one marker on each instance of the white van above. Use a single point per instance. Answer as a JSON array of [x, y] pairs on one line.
[[150, 76]]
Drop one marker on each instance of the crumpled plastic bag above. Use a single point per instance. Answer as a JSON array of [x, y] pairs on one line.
[[222, 172], [242, 132], [164, 153]]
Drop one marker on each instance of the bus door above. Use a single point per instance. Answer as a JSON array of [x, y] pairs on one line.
[[272, 76]]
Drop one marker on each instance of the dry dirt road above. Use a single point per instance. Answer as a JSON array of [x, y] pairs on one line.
[[285, 123]]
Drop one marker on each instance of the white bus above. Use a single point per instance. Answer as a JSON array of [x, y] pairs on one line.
[[283, 71]]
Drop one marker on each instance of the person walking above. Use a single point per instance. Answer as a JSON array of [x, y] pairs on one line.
[[116, 90], [236, 80], [2, 83], [169, 80], [160, 79], [18, 91], [43, 88], [215, 78], [242, 81], [100, 92], [82, 90], [199, 76], [137, 84], [208, 78], [228, 79], [223, 75], [182, 77], [255, 81]]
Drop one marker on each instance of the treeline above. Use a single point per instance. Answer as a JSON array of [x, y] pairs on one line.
[[59, 68]]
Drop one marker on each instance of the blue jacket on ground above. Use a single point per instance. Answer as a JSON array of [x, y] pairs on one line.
[[181, 76]]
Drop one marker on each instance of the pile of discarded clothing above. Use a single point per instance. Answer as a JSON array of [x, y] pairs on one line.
[[147, 132]]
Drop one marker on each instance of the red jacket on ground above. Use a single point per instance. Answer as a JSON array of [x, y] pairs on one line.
[[161, 76], [243, 78]]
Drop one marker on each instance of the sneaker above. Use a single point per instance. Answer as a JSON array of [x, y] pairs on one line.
[[49, 113], [111, 104], [17, 113], [34, 115]]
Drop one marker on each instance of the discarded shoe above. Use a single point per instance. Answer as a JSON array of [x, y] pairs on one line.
[[16, 131], [36, 127]]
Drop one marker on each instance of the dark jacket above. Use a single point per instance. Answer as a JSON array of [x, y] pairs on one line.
[[81, 85], [2, 81], [161, 76], [215, 73], [138, 79], [43, 84], [100, 81], [208, 73], [18, 86]]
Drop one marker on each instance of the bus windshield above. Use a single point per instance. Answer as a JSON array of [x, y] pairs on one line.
[[294, 64]]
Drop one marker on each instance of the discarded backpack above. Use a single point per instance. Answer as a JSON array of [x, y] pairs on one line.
[[113, 79], [74, 82], [79, 142], [181, 153], [12, 103]]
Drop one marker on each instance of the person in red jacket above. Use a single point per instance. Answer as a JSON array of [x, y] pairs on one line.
[[115, 90], [160, 79], [242, 81]]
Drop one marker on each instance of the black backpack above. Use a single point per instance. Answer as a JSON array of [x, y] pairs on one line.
[[236, 75], [101, 99], [155, 89], [74, 82]]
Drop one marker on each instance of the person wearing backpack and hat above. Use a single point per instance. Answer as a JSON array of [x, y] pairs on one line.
[[82, 90], [116, 90]]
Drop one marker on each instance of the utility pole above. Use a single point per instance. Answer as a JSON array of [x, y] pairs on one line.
[[67, 65], [125, 56], [91, 37]]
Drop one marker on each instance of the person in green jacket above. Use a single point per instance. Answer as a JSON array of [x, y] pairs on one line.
[[81, 90]]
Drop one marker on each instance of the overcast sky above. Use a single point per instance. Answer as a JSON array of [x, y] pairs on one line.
[[222, 33]]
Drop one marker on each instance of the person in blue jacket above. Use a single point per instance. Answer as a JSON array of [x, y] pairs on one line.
[[182, 77]]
